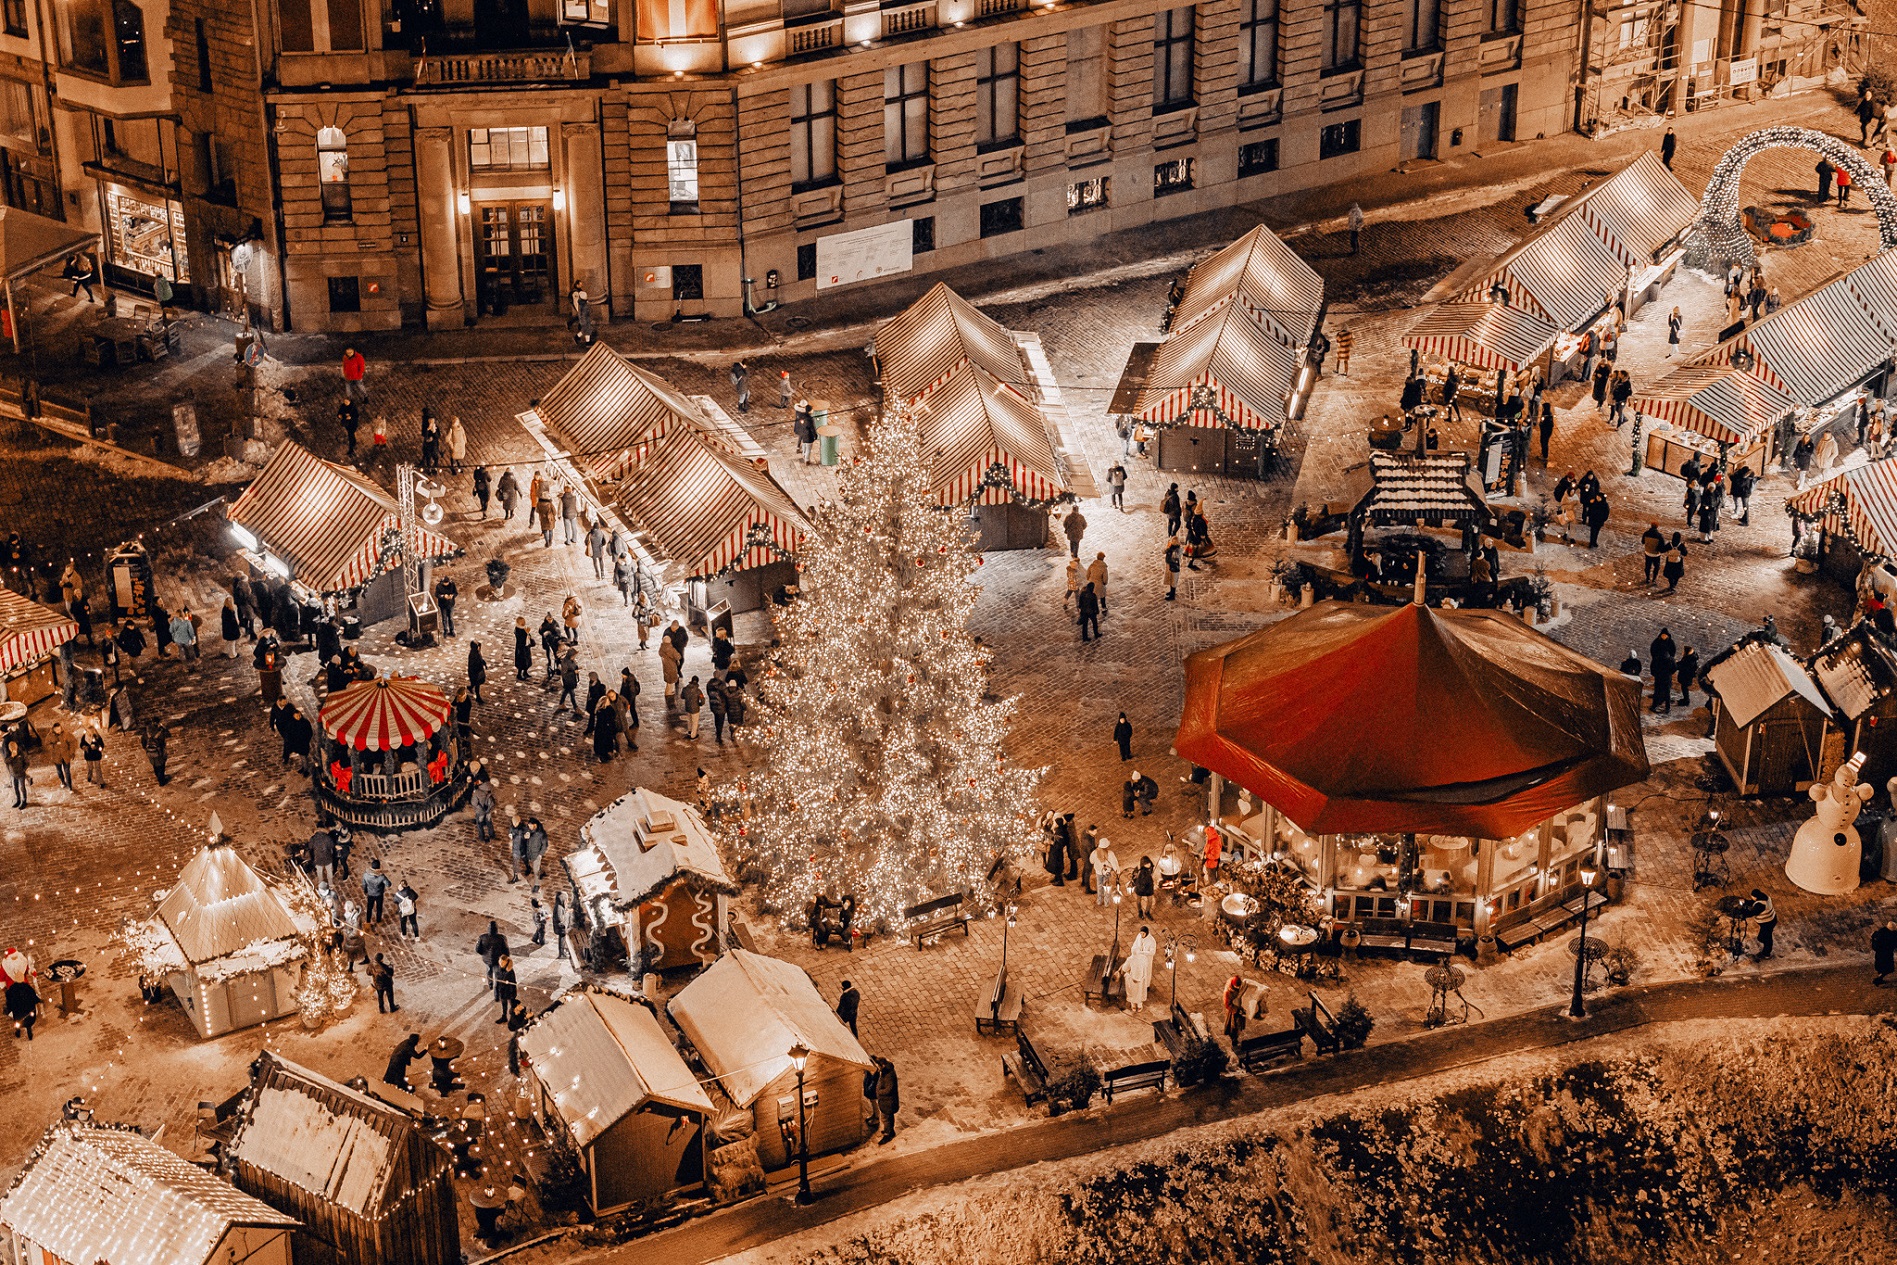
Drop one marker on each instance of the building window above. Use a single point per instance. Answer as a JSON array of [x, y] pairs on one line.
[[1172, 177], [813, 134], [1258, 44], [906, 115], [1340, 33], [807, 261], [1424, 32], [1001, 217], [1086, 78], [204, 55], [681, 175], [143, 237], [13, 15], [218, 171], [1501, 17], [1339, 139], [1258, 157], [1172, 59], [332, 174], [922, 235], [997, 96], [507, 148], [1087, 195], [345, 294], [18, 119], [688, 282], [104, 38], [656, 21]]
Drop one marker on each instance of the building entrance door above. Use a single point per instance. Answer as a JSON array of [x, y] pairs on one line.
[[1496, 117], [1419, 130], [514, 256]]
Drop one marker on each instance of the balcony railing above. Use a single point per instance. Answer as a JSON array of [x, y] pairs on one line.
[[990, 8], [519, 67], [908, 18], [813, 37]]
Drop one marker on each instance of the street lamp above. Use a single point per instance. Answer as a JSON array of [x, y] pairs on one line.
[[799, 1056], [1576, 1008], [1174, 944], [1006, 923]]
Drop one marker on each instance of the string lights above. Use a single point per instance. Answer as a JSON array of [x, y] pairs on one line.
[[1718, 230]]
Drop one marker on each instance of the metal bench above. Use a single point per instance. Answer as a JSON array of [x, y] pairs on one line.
[[1027, 1069], [1270, 1049], [1135, 1076], [1383, 933], [933, 919]]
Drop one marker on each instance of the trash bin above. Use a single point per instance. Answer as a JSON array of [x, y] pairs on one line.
[[827, 442], [352, 628]]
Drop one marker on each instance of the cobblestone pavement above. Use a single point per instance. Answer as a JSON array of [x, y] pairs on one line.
[[76, 862]]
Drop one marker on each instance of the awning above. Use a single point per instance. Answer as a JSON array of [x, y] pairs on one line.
[[703, 512], [385, 714], [986, 443], [1564, 274], [1868, 497], [1250, 371], [1484, 334], [333, 526], [1875, 286], [1815, 346], [1280, 290], [29, 631], [29, 242], [1725, 404], [606, 413], [919, 349], [1637, 210], [1404, 488]]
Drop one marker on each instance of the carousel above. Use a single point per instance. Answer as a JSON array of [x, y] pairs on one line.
[[389, 759]]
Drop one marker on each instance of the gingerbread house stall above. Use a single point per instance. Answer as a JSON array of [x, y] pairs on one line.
[[649, 886]]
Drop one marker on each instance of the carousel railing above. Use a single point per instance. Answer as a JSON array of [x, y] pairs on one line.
[[405, 785], [402, 801]]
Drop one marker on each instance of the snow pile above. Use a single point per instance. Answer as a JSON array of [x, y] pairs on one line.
[[226, 470]]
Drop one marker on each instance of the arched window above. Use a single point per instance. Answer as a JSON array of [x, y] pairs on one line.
[[332, 174]]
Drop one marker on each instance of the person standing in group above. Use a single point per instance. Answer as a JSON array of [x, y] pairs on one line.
[[1652, 545], [596, 541], [1825, 171], [1594, 514], [1075, 527], [1089, 605], [506, 988], [572, 615], [1169, 506], [491, 948], [382, 978], [1686, 671], [1105, 869], [457, 444], [1145, 884], [1097, 579], [849, 1002], [1073, 582], [1844, 187], [482, 488], [1743, 482], [1661, 660], [1138, 968], [671, 659], [544, 512], [375, 886], [691, 700], [407, 902], [355, 376], [92, 747], [482, 801], [803, 426], [1123, 736], [1673, 562], [1116, 479]]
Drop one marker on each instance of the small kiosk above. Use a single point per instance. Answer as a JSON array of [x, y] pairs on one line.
[[30, 638], [1713, 413], [233, 953], [1489, 345], [650, 892], [387, 760], [1858, 672], [1417, 509], [1769, 717], [1855, 515]]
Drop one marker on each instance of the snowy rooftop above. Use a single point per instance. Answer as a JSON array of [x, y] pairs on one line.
[[1756, 676], [745, 1013], [602, 1057], [322, 1136], [102, 1194], [219, 906], [638, 844]]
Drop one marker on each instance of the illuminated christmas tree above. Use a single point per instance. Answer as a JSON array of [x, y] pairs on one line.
[[882, 772]]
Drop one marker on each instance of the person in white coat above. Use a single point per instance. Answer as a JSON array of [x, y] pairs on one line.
[[457, 445], [1138, 968]]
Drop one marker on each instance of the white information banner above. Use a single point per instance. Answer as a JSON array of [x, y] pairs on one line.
[[865, 254], [1744, 70]]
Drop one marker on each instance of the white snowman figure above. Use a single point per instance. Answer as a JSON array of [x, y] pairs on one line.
[[1826, 850]]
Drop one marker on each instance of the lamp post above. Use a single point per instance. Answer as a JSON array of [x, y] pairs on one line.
[[1577, 1008], [1113, 954], [799, 1056], [1008, 921], [1187, 943]]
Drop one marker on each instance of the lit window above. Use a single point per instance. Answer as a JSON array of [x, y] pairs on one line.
[[681, 175], [1172, 177], [1087, 195], [507, 148], [332, 174]]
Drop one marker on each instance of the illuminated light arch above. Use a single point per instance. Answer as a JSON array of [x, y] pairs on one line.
[[1719, 232]]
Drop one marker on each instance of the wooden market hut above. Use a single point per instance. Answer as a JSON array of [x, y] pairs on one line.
[[330, 531], [1485, 335], [237, 954], [1769, 717], [1857, 670], [1264, 277], [742, 1016], [97, 1192], [369, 1186], [1855, 514], [649, 887], [30, 637], [603, 1070], [1436, 497], [1700, 410]]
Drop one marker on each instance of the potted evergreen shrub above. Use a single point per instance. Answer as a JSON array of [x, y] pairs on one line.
[[1354, 1022]]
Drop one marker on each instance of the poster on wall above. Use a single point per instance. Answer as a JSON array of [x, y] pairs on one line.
[[865, 254]]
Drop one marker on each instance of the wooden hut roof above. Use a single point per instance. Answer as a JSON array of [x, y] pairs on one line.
[[745, 1013], [920, 347], [1857, 669], [219, 907], [640, 842], [1755, 676], [602, 1057]]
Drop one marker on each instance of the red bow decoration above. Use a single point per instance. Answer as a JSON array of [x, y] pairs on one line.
[[340, 774], [438, 768]]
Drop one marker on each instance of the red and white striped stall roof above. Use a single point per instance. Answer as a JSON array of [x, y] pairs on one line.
[[1816, 346], [919, 349], [701, 511], [1280, 290], [1637, 210], [1724, 404], [384, 714], [1870, 502], [1252, 372], [606, 412], [1563, 273], [326, 521], [1875, 285], [29, 631], [972, 423], [1484, 334]]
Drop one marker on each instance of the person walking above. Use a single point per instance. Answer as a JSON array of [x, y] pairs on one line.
[[888, 1098], [572, 615], [1743, 482], [382, 979], [1097, 579], [477, 670], [92, 747], [1764, 916], [1123, 735], [1652, 545], [1884, 950], [1138, 968], [1345, 344], [155, 740], [784, 392], [1089, 605], [1452, 386], [483, 489], [1594, 514], [523, 648], [355, 376], [61, 748], [1116, 479], [1354, 221], [544, 512], [569, 515], [1844, 187], [375, 886], [849, 1002], [1075, 526], [1669, 145], [407, 902], [1171, 555], [671, 660], [482, 801], [1169, 506], [741, 383], [803, 426], [691, 700], [1825, 171], [506, 988], [457, 444], [1673, 563], [507, 492]]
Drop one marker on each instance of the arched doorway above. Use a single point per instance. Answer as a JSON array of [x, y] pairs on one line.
[[1718, 233]]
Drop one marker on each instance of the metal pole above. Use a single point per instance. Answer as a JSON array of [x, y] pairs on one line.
[[1577, 1008], [803, 1145]]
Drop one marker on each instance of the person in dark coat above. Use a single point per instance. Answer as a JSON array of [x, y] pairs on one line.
[[1661, 657], [1123, 735], [849, 1001], [1884, 950], [477, 671], [1056, 863], [605, 723], [446, 594], [407, 1052], [481, 490], [1686, 671], [1594, 514], [888, 1098], [382, 978], [717, 702], [491, 948], [523, 648], [23, 1007], [1089, 604], [155, 740], [506, 991], [595, 691]]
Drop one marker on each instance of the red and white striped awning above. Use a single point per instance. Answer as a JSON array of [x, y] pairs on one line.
[[919, 349], [327, 522], [1564, 274], [385, 714], [1724, 404], [1875, 286], [1251, 371], [1280, 290], [1637, 210], [606, 414], [1816, 346], [29, 631], [1869, 493], [703, 512], [972, 423], [1484, 334]]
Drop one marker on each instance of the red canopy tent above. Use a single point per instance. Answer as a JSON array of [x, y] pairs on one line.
[[1351, 718], [385, 714]]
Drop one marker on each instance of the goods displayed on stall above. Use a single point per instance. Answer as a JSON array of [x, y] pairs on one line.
[[386, 758], [1703, 410], [1486, 342], [1769, 716], [1416, 510], [329, 531], [1851, 524], [30, 638], [1433, 811], [650, 891], [227, 944]]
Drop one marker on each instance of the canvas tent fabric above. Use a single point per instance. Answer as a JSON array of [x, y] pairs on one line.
[[1563, 273], [1488, 335], [1347, 717], [1869, 497], [385, 714], [918, 349], [1757, 675], [703, 511], [1874, 284], [328, 522], [1723, 403], [602, 1057], [1250, 371], [29, 242], [1264, 276], [98, 1193], [29, 631], [1637, 210], [745, 1013], [644, 840], [607, 412], [974, 422], [218, 907]]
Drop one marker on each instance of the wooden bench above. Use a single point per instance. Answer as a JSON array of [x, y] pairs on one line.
[[1103, 982], [1180, 1030], [1135, 1076], [1536, 926], [1319, 1024], [1432, 939], [1270, 1049], [1027, 1069], [1383, 933], [999, 1010], [933, 919]]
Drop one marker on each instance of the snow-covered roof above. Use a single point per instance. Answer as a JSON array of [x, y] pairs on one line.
[[1856, 669], [1758, 675], [219, 906], [639, 843], [603, 1057], [745, 1013], [95, 1193], [322, 1136]]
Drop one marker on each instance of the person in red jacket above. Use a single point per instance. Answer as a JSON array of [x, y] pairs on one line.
[[354, 369]]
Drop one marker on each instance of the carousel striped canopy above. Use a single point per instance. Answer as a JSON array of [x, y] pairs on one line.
[[385, 714]]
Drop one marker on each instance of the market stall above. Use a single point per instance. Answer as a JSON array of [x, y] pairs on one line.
[[227, 944], [1769, 717], [1641, 212], [649, 888], [387, 759], [30, 638], [1855, 514], [603, 1072], [1708, 410], [1857, 670], [1564, 274], [1428, 509], [743, 1016], [1487, 343], [1432, 810], [917, 350], [605, 414], [329, 531], [1218, 391], [1265, 277]]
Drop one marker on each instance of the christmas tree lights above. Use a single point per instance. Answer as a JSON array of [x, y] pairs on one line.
[[882, 773]]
